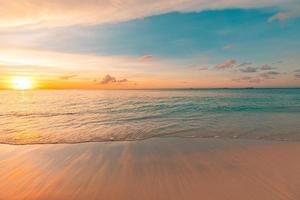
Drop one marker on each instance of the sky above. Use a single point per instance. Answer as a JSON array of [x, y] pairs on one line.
[[115, 44]]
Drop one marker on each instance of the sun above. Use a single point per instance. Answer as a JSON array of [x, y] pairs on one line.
[[22, 83]]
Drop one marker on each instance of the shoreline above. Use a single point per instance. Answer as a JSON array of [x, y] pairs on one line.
[[234, 139]]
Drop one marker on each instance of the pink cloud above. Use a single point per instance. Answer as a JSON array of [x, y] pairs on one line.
[[147, 58], [279, 17], [227, 64]]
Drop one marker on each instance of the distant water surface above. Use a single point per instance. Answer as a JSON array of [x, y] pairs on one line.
[[71, 116]]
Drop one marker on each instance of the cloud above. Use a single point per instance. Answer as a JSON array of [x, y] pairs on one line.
[[273, 73], [244, 64], [228, 46], [227, 64], [269, 75], [110, 79], [147, 58], [266, 67], [249, 69], [64, 63], [122, 80], [67, 77], [244, 78], [290, 9], [279, 17], [89, 12], [297, 73]]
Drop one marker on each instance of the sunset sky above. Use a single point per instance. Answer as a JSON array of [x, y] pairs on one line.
[[91, 44]]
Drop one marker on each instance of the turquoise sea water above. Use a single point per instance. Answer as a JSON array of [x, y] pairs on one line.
[[69, 116]]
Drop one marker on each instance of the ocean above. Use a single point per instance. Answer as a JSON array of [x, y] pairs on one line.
[[74, 116]]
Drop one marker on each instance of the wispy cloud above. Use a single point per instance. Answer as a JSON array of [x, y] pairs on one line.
[[297, 73], [279, 17], [70, 12], [266, 67], [65, 62], [249, 69], [248, 79], [226, 64], [67, 77], [269, 75], [273, 73]]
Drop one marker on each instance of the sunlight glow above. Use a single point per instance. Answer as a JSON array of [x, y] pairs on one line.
[[22, 83]]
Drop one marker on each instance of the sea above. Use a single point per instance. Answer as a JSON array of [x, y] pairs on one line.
[[75, 116]]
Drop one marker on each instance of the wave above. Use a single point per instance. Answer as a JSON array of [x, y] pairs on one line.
[[43, 117]]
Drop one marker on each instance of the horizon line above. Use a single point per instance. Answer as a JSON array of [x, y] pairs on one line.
[[187, 88]]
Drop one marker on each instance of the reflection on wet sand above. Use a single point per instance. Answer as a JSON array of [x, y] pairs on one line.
[[158, 168]]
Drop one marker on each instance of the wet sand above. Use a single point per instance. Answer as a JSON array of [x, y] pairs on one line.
[[158, 168]]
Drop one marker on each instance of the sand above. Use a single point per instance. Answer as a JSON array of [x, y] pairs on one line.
[[157, 168]]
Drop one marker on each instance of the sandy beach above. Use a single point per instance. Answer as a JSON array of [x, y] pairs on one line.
[[157, 168]]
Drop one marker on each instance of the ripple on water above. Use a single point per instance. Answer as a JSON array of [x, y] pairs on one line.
[[82, 116]]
